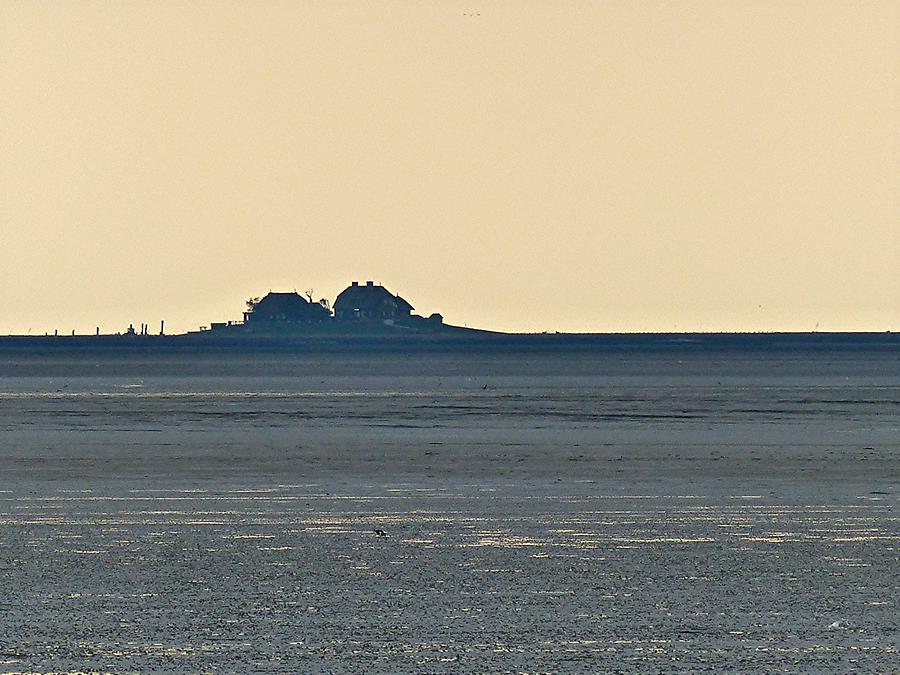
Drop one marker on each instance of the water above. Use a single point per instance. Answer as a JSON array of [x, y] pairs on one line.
[[542, 512]]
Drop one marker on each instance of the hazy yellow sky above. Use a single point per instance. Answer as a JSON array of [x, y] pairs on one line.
[[584, 166]]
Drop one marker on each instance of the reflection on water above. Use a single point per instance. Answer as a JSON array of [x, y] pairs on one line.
[[580, 512], [468, 576]]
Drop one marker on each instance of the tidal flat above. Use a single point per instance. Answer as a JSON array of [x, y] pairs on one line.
[[531, 512]]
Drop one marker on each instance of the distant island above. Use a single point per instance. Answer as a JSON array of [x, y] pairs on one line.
[[366, 309], [367, 317]]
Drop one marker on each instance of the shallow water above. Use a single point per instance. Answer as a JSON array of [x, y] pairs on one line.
[[542, 513]]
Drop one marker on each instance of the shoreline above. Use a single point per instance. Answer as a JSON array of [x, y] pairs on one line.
[[474, 341]]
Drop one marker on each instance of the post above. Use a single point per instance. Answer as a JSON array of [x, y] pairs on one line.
[[162, 327], [98, 330]]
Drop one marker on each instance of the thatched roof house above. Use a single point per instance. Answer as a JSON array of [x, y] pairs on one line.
[[285, 308], [370, 302]]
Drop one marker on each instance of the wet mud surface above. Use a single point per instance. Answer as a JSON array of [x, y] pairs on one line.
[[567, 514]]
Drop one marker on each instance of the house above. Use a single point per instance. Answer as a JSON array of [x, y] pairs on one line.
[[285, 308], [372, 303]]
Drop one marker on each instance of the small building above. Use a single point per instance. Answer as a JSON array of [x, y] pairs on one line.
[[370, 303], [285, 308]]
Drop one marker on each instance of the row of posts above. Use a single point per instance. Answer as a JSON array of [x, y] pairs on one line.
[[145, 329]]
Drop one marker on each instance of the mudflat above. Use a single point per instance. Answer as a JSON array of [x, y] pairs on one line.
[[480, 512]]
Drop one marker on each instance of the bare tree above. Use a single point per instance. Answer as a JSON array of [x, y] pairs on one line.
[[309, 294]]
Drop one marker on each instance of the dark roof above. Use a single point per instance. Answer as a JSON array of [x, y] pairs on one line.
[[369, 298], [282, 302], [287, 306]]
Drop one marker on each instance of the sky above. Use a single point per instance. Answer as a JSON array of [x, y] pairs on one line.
[[522, 166]]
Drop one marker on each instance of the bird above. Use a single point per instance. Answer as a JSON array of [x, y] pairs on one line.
[[380, 533]]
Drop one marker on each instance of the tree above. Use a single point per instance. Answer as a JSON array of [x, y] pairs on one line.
[[251, 303]]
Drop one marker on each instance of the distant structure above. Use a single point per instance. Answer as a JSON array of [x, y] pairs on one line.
[[285, 308], [359, 309], [370, 303]]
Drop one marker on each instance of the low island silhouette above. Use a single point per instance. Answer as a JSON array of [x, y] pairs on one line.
[[368, 317], [368, 308]]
